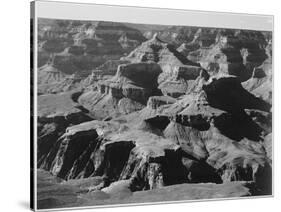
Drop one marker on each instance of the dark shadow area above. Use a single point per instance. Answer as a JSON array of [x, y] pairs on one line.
[[84, 110], [114, 159], [181, 57], [75, 96], [238, 126], [228, 94], [263, 179], [159, 122], [49, 131], [174, 172], [198, 170], [195, 121], [262, 184], [76, 145], [180, 167], [201, 172]]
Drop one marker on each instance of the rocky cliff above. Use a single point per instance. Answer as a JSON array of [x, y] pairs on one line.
[[158, 119], [125, 92], [178, 73], [235, 52], [80, 47], [197, 139]]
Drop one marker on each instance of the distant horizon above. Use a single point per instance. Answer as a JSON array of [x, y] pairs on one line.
[[161, 27]]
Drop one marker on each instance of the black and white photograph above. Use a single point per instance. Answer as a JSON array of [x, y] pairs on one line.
[[137, 113]]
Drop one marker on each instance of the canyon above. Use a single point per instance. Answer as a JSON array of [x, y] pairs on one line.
[[132, 113]]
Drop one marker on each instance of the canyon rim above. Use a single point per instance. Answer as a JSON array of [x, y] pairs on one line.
[[139, 113]]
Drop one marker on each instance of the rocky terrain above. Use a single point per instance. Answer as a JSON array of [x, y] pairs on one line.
[[151, 111], [73, 49]]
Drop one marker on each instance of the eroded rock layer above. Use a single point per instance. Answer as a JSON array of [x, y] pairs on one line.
[[196, 113]]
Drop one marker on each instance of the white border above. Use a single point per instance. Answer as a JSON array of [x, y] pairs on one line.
[[141, 15], [153, 203]]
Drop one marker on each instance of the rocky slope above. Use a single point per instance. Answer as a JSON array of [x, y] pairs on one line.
[[125, 92], [155, 121], [196, 139], [53, 193], [154, 67], [235, 52], [74, 47], [260, 83]]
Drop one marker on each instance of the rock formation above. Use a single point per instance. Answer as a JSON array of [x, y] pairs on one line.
[[78, 48], [234, 52], [154, 121], [125, 92], [171, 145], [177, 72]]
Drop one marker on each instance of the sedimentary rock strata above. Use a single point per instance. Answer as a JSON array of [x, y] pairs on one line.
[[125, 92], [81, 47], [196, 112]]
